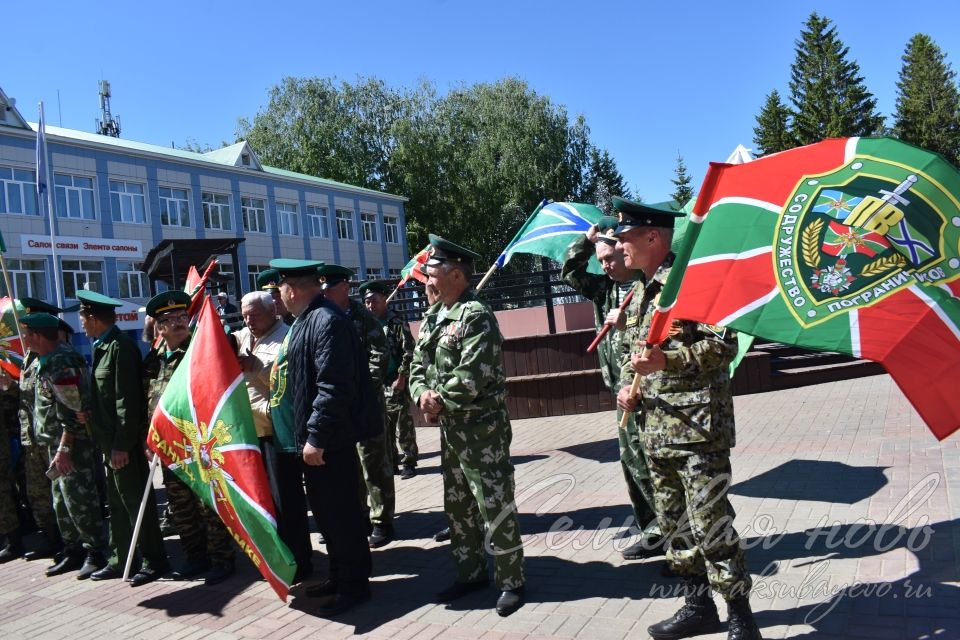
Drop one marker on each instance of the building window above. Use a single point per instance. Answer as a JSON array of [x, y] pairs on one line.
[[174, 207], [344, 224], [81, 274], [369, 221], [287, 213], [374, 273], [254, 214], [126, 201], [317, 223], [391, 230], [216, 211], [253, 271], [28, 277], [132, 281], [74, 197], [394, 274], [18, 191]]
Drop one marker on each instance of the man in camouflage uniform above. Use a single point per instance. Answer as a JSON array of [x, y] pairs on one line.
[[205, 539], [375, 459], [457, 380], [687, 426], [118, 422], [400, 344], [607, 292], [61, 390]]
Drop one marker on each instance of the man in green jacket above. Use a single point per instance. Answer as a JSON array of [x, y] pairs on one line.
[[119, 426]]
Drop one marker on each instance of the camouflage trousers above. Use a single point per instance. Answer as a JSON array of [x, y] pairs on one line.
[[400, 429], [478, 489], [377, 488], [633, 463], [202, 533], [36, 461], [76, 502], [697, 519], [124, 494], [8, 506]]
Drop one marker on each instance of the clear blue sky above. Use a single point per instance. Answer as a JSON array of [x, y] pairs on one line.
[[653, 79]]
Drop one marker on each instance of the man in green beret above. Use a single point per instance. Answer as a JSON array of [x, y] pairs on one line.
[[607, 291], [457, 381], [59, 393], [269, 281], [205, 540], [118, 422], [685, 414], [400, 345], [376, 460]]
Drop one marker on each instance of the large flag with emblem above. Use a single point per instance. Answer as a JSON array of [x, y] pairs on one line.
[[11, 349], [550, 229], [203, 431], [847, 245]]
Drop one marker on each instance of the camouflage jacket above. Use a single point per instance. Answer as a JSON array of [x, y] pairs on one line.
[[690, 401], [373, 341], [400, 346], [605, 294], [61, 389], [9, 410], [116, 389], [28, 383], [459, 356], [169, 360]]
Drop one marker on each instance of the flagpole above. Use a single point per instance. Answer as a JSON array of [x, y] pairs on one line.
[[519, 233], [607, 326], [42, 147], [634, 388], [143, 508]]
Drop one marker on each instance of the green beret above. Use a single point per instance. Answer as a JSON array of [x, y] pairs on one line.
[[374, 286], [446, 251], [635, 214], [91, 300], [34, 304], [40, 320], [290, 267], [269, 279], [173, 300], [331, 274], [607, 226]]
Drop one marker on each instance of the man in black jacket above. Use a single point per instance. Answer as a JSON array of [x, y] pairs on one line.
[[328, 377]]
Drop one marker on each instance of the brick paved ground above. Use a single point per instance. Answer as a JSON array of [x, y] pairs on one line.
[[848, 506]]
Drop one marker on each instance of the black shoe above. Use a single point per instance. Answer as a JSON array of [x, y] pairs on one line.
[[740, 622], [49, 548], [191, 570], [408, 472], [70, 561], [697, 616], [93, 562], [303, 572], [509, 601], [380, 536], [645, 548], [443, 535], [321, 589], [459, 589], [13, 548], [217, 574], [340, 602], [146, 575], [107, 573]]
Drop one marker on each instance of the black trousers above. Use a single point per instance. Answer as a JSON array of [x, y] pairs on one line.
[[334, 495], [286, 487]]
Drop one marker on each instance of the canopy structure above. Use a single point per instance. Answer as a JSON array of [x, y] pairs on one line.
[[170, 260]]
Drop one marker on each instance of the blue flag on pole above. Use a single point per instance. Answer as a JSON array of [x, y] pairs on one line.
[[550, 229]]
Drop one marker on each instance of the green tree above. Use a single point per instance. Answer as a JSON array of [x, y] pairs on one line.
[[772, 133], [602, 181], [828, 94], [928, 105], [682, 192]]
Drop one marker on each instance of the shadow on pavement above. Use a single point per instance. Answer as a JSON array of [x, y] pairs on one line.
[[821, 480], [606, 450]]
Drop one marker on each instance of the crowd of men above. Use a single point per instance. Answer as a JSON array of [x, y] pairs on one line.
[[330, 382]]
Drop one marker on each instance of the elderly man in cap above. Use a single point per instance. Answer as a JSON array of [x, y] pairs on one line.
[[457, 380], [330, 382], [685, 413], [376, 460], [607, 291], [224, 306], [205, 539], [269, 281], [59, 392], [118, 423], [400, 345]]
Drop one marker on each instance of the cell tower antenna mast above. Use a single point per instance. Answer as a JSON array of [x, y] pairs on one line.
[[107, 125]]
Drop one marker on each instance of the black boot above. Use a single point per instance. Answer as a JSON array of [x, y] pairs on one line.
[[93, 563], [50, 545], [741, 625], [69, 560], [13, 549], [697, 616]]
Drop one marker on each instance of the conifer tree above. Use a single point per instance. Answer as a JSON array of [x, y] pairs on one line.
[[682, 190], [772, 133]]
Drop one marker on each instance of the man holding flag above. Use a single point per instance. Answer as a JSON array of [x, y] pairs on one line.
[[687, 425]]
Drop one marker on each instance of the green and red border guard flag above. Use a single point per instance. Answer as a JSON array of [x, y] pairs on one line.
[[203, 431], [11, 349], [847, 245]]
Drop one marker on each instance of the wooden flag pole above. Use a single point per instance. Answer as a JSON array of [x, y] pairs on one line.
[[606, 328], [486, 277], [634, 389], [143, 509]]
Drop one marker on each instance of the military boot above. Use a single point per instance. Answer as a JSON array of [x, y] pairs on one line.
[[740, 622], [50, 545], [697, 616], [13, 549], [93, 563], [70, 559]]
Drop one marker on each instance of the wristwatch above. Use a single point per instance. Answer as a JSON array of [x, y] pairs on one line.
[[63, 449]]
